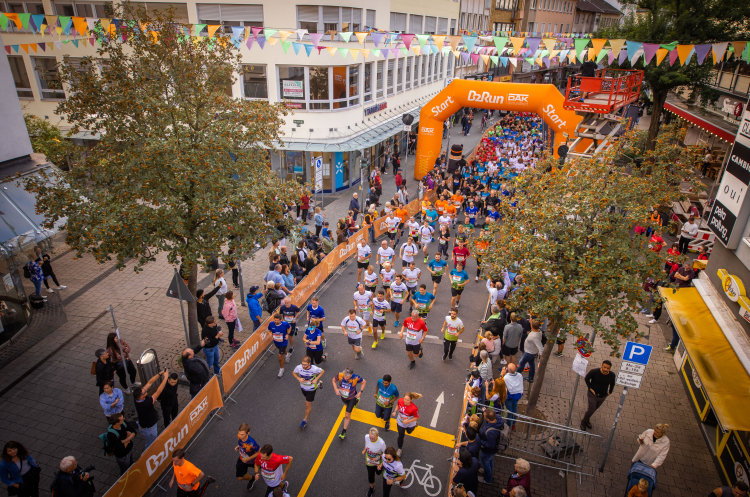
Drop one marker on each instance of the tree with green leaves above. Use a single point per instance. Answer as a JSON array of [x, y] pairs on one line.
[[685, 22], [49, 140], [181, 168], [570, 237]]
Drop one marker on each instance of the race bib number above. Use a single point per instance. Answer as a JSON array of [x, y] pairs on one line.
[[268, 475], [364, 258], [379, 313], [398, 296], [439, 270], [452, 331], [421, 305], [411, 335], [288, 319], [278, 337], [383, 400], [456, 279], [345, 394]]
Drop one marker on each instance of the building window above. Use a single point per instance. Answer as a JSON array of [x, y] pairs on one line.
[[423, 71], [48, 78], [81, 9], [429, 68], [370, 21], [510, 4], [415, 71], [20, 76], [324, 19], [368, 81], [430, 25], [152, 8], [379, 80], [532, 5], [400, 76], [453, 27], [353, 84], [390, 77], [254, 81], [398, 22], [450, 65], [415, 24], [567, 28], [345, 86], [292, 86], [544, 24], [319, 95], [442, 58], [351, 19], [409, 63], [229, 16], [442, 26]]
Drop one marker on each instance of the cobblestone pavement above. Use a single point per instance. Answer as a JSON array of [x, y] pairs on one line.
[[49, 399]]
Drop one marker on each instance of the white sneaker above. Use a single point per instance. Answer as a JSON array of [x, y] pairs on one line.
[[398, 452], [49, 290], [649, 316], [281, 372], [653, 321], [62, 287], [503, 362], [286, 359]]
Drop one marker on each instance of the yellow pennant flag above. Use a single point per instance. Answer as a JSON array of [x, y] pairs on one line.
[[616, 46], [41, 29], [417, 50], [360, 36], [517, 44], [332, 51], [365, 52], [59, 31], [284, 35], [105, 24], [85, 42], [683, 51], [597, 43], [572, 57], [272, 41], [212, 29], [439, 40], [550, 44], [454, 40], [354, 52], [457, 53], [144, 26], [660, 54], [486, 59], [553, 53]]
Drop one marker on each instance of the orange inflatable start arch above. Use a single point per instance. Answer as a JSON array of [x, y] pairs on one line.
[[545, 100]]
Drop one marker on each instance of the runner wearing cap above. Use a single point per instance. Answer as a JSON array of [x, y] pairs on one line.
[[352, 326]]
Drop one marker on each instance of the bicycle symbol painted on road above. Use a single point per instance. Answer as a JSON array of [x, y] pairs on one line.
[[430, 483]]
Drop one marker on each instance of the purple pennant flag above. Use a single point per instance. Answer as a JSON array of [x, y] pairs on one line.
[[465, 56], [546, 61], [622, 57], [315, 37], [42, 46], [475, 58], [533, 43], [261, 40], [673, 56], [611, 57], [249, 42], [649, 50], [701, 51], [377, 38], [386, 52]]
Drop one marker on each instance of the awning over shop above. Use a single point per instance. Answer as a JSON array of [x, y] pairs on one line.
[[367, 138], [721, 373], [703, 121]]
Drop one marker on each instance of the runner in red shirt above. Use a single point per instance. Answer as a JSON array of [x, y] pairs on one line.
[[268, 465], [416, 329], [406, 414], [460, 255]]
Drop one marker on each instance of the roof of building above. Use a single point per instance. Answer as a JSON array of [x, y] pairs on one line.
[[598, 6]]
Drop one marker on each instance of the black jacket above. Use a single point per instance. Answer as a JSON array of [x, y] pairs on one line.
[[209, 333], [488, 436], [495, 326], [588, 69], [196, 368], [274, 299], [203, 307], [105, 372], [71, 485]]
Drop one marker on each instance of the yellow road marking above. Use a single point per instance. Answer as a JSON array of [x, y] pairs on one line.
[[427, 434], [322, 454]]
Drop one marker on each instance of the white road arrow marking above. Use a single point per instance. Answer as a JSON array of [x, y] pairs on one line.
[[440, 401]]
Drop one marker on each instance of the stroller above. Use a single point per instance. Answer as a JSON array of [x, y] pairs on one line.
[[640, 470]]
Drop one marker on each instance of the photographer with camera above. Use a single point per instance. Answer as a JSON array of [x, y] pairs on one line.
[[71, 481]]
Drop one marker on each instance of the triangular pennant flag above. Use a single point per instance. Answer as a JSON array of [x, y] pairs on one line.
[[474, 58], [416, 50], [386, 52], [90, 23], [65, 24], [43, 46], [58, 44], [377, 38], [670, 46], [261, 40], [75, 42], [346, 36], [610, 57], [273, 41], [422, 40], [514, 61], [331, 50], [315, 37], [80, 25], [435, 49], [739, 47], [308, 49], [249, 42], [300, 34], [596, 45], [285, 45], [24, 18], [564, 53], [297, 47], [701, 51], [344, 52], [4, 25], [7, 47], [238, 31], [285, 34], [719, 50], [405, 52], [602, 54], [494, 59], [486, 60], [633, 47], [375, 52], [85, 42], [33, 47], [672, 57], [14, 17], [25, 47], [197, 28], [660, 54], [454, 40], [361, 36], [354, 52], [256, 30], [580, 47], [52, 22], [683, 51], [212, 29], [616, 45], [439, 40], [38, 21], [550, 43], [365, 52], [621, 58], [465, 56], [649, 50], [500, 42], [269, 33], [469, 41], [533, 43]]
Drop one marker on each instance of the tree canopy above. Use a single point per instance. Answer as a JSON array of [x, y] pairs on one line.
[[49, 140], [570, 235], [181, 167]]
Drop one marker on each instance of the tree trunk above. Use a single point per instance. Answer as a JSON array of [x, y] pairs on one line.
[[193, 328], [536, 387], [653, 129]]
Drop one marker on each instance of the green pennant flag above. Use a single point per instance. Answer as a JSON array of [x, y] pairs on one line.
[[602, 53], [346, 36], [545, 53], [75, 42], [500, 42], [24, 18], [530, 60], [375, 52], [198, 28], [494, 59], [344, 52], [404, 51], [670, 47], [422, 40], [285, 45], [581, 45], [447, 50], [3, 21], [269, 32]]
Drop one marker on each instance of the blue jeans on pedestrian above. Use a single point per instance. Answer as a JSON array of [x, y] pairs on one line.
[[150, 434], [256, 325], [675, 339], [529, 359], [372, 232], [212, 357], [488, 463], [512, 406], [38, 287]]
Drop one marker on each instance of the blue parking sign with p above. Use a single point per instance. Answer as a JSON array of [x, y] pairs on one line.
[[637, 352]]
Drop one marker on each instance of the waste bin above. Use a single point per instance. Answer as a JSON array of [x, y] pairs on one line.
[[148, 366]]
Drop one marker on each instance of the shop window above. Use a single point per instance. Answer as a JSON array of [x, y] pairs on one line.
[[20, 76], [292, 86], [48, 78], [294, 166], [319, 94], [400, 76], [379, 80], [409, 63], [254, 81], [368, 81], [321, 87]]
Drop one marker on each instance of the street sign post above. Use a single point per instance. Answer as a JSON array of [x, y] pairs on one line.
[[178, 290], [636, 357]]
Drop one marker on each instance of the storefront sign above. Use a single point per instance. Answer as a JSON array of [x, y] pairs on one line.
[[293, 89], [732, 120], [503, 78], [293, 105], [376, 108], [729, 208], [735, 291]]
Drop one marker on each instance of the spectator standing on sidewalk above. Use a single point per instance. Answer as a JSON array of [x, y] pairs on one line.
[[532, 347], [230, 316], [105, 370], [514, 383], [601, 384], [170, 405], [521, 478], [688, 232], [399, 179], [739, 489], [232, 264], [19, 471], [121, 440], [221, 283], [196, 369], [71, 481], [253, 305], [211, 335], [117, 353], [489, 434], [203, 305], [654, 446], [144, 406], [354, 206], [36, 275], [47, 271], [319, 216], [304, 204], [111, 400]]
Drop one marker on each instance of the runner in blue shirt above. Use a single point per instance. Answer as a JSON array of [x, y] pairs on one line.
[[385, 399], [315, 311], [280, 331], [471, 212], [459, 278], [423, 301], [248, 449], [314, 341], [345, 386], [437, 269]]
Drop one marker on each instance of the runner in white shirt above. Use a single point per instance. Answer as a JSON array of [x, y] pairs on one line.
[[399, 293], [371, 279], [308, 376], [373, 452], [408, 251], [363, 303], [452, 327], [413, 226], [385, 254], [445, 220], [380, 307], [425, 237], [363, 258], [352, 326], [392, 223], [387, 274], [411, 277]]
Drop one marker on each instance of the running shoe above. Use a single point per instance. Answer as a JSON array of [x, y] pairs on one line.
[[303, 424], [320, 385], [62, 287], [286, 486], [476, 279], [503, 362], [324, 343], [291, 351], [445, 356], [650, 316], [369, 330], [559, 354], [342, 436], [236, 344], [669, 348], [458, 304], [526, 369], [387, 426], [396, 324], [250, 484], [370, 492], [325, 357], [425, 260], [281, 372], [398, 452], [374, 345], [287, 357], [382, 335], [653, 321], [411, 365], [421, 352]]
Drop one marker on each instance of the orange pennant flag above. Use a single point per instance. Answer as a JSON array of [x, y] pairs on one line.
[[517, 44], [597, 43], [33, 47], [454, 41], [80, 24], [417, 49], [366, 52], [331, 50], [284, 35], [660, 54], [212, 29], [25, 47], [439, 40], [683, 51], [360, 37]]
